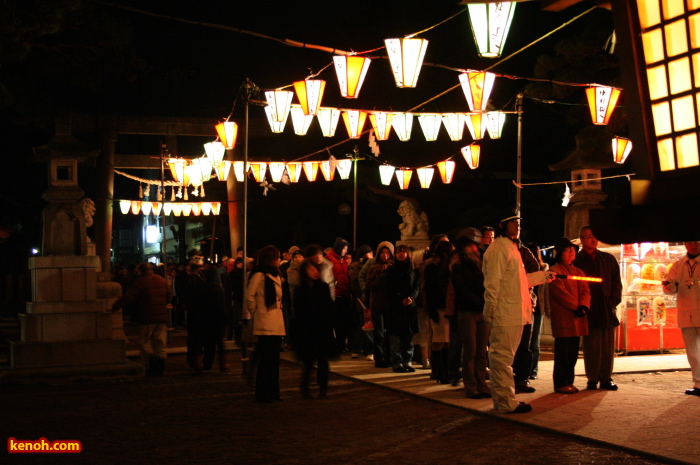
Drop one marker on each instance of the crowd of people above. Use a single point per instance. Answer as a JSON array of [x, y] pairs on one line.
[[467, 308]]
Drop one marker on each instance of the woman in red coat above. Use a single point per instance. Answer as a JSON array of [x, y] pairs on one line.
[[569, 301]]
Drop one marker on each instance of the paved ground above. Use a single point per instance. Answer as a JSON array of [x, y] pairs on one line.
[[211, 419]]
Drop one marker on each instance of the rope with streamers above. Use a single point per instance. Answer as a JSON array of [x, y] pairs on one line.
[[521, 185]]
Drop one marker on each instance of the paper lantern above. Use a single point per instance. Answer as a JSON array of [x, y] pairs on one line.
[[196, 208], [402, 124], [477, 123], [222, 170], [477, 86], [447, 170], [404, 177], [354, 122], [276, 126], [258, 168], [310, 92], [601, 102], [386, 172], [227, 131], [215, 152], [328, 169], [135, 207], [471, 155], [351, 71], [381, 123], [454, 124], [490, 25], [177, 208], [495, 121], [621, 148], [425, 176], [186, 209], [167, 208], [311, 170], [206, 208], [125, 206], [300, 121], [279, 102], [328, 120], [157, 207], [238, 170], [177, 169], [276, 170], [216, 208], [344, 167], [146, 208], [294, 170], [406, 58], [430, 123]]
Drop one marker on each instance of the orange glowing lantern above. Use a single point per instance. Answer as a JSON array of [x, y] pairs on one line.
[[621, 148], [223, 170], [258, 168], [294, 170], [354, 122], [447, 170], [477, 123], [477, 86], [381, 123], [311, 170], [351, 71], [602, 101], [227, 131], [328, 169], [425, 176], [471, 155], [310, 92], [404, 177]]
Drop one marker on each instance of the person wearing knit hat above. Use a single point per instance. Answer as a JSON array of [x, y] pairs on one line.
[[569, 301]]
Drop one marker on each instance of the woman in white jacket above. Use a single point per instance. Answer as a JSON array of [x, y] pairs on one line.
[[264, 306]]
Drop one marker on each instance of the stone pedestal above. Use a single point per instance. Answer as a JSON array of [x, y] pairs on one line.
[[66, 331]]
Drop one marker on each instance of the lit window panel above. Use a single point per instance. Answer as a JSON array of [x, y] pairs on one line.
[[696, 69], [694, 25], [679, 72], [662, 118], [683, 113], [653, 46], [658, 86], [676, 38], [649, 14], [667, 160], [687, 149], [672, 9]]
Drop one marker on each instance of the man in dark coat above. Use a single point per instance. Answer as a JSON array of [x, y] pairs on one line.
[[599, 345], [150, 294]]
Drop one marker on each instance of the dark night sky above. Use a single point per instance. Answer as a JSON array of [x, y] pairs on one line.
[[171, 68]]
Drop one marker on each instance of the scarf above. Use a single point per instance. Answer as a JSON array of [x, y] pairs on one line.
[[270, 290]]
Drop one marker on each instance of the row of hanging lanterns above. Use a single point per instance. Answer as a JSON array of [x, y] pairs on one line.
[[145, 208], [328, 168]]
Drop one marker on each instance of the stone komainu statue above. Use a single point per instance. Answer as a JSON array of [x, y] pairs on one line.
[[415, 221]]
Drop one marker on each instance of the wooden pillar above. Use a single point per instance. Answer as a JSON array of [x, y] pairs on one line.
[[105, 196]]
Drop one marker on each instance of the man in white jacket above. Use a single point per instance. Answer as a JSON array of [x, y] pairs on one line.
[[507, 308], [683, 279]]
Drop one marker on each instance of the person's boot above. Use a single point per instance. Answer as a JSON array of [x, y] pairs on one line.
[[444, 377]]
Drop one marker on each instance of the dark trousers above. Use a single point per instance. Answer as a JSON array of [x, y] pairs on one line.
[[475, 337], [381, 341], [535, 342], [522, 363], [267, 380], [322, 370], [343, 321], [455, 350], [565, 357]]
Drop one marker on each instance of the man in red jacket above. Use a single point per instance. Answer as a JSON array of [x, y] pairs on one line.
[[151, 294], [343, 317]]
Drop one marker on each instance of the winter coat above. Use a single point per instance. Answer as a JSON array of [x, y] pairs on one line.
[[313, 321], [375, 281], [565, 296], [507, 286], [402, 282], [151, 294], [605, 296], [688, 300], [267, 321], [468, 284], [207, 309], [340, 274]]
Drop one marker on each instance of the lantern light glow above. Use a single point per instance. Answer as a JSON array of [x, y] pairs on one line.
[[406, 57], [447, 170], [601, 102], [471, 155], [621, 148], [310, 93], [351, 71], [490, 24], [477, 87]]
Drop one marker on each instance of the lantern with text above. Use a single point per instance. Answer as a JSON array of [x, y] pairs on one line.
[[454, 124], [425, 176], [351, 71], [354, 122], [344, 166], [406, 57], [404, 177], [276, 126], [471, 155], [239, 171], [310, 92], [477, 123], [495, 121], [386, 172], [177, 169], [430, 123], [294, 170], [381, 123], [447, 170], [215, 152], [490, 24], [402, 124], [276, 169], [279, 102], [601, 101], [477, 86], [258, 168], [311, 170], [328, 169], [300, 121], [328, 120], [621, 148], [227, 131]]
